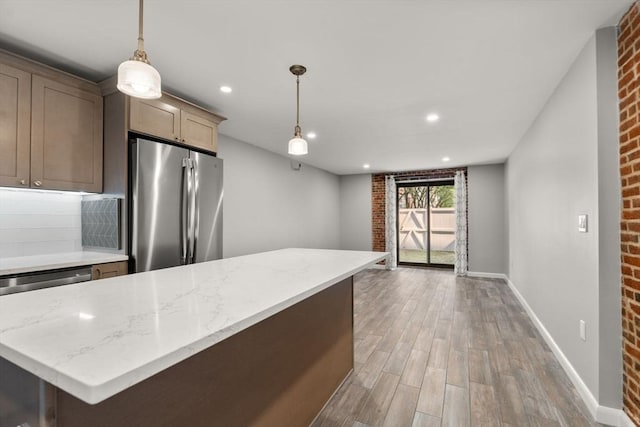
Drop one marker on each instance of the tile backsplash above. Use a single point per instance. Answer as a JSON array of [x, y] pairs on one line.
[[101, 223], [34, 223]]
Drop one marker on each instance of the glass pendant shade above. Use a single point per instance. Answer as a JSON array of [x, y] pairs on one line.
[[298, 146], [139, 79]]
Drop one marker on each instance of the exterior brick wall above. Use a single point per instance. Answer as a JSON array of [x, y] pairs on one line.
[[377, 212], [378, 202], [629, 98]]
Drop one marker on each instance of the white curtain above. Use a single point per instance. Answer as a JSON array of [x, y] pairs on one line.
[[390, 222], [460, 267]]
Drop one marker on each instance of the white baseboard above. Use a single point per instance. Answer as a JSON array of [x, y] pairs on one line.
[[487, 275], [602, 414], [625, 421], [613, 417]]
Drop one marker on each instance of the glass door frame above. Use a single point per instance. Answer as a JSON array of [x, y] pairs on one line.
[[428, 184]]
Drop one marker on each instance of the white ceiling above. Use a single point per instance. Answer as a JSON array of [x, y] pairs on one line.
[[375, 68]]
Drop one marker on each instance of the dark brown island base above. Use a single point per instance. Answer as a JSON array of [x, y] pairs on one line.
[[279, 372]]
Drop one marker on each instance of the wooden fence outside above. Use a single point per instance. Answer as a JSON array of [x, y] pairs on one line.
[[413, 229]]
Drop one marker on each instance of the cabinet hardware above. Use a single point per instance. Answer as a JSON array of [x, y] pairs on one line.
[[22, 182], [98, 273], [37, 183]]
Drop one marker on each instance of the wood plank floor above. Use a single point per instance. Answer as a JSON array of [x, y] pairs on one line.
[[435, 350]]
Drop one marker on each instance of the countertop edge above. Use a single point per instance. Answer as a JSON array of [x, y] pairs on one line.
[[93, 258]]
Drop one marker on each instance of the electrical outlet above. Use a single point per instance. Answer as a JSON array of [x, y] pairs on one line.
[[583, 330]]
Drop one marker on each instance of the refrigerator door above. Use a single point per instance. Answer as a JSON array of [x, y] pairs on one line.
[[208, 193], [157, 186]]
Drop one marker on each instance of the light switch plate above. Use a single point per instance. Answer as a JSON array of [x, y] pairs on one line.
[[583, 223]]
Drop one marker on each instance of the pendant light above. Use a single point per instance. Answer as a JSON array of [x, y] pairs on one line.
[[297, 145], [136, 77]]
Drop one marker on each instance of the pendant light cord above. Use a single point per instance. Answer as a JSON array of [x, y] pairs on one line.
[[140, 38], [140, 54], [297, 102], [297, 70]]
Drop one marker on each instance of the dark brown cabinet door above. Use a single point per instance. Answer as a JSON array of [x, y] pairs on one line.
[[15, 124], [66, 137]]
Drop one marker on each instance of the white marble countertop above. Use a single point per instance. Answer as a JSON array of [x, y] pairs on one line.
[[27, 264], [95, 339]]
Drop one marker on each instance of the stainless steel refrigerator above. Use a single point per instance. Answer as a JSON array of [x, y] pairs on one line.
[[176, 206]]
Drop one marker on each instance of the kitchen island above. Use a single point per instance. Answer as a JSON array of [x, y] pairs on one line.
[[262, 339]]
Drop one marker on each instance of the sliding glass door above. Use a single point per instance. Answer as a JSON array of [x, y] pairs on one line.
[[426, 223]]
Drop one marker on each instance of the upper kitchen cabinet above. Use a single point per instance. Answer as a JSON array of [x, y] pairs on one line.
[[15, 126], [175, 119], [198, 131], [66, 137], [155, 117], [50, 128]]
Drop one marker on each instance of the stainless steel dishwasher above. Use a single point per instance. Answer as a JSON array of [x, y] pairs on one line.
[[25, 400], [43, 279]]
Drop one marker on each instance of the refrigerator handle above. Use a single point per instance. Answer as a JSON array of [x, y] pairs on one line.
[[194, 213], [184, 211]]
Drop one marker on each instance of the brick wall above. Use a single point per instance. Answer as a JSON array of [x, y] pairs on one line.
[[377, 212], [378, 203], [629, 98]]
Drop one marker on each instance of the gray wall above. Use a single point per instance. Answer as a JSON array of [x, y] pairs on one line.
[[355, 212], [609, 205], [487, 228], [267, 205], [556, 173], [486, 217]]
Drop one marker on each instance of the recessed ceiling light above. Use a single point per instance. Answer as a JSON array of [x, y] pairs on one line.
[[366, 166], [445, 159], [433, 117], [225, 89], [311, 135]]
